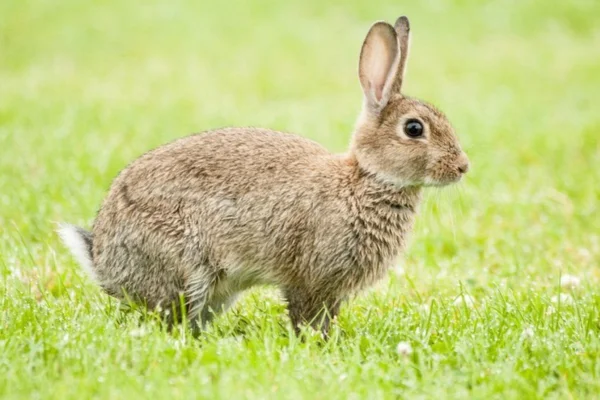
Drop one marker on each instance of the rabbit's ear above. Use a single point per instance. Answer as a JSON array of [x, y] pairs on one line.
[[378, 63], [402, 28]]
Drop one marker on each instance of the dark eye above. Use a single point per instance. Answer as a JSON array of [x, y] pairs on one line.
[[413, 128]]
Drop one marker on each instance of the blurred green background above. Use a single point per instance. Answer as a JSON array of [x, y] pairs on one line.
[[86, 87]]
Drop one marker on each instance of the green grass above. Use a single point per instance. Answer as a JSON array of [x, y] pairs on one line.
[[85, 87]]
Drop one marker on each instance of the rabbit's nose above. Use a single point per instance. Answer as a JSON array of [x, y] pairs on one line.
[[463, 163]]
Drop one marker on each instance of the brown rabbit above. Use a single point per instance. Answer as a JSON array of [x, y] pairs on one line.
[[210, 215]]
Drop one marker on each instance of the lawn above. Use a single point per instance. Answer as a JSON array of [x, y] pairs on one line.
[[86, 87]]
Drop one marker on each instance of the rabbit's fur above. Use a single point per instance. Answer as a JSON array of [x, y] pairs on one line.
[[210, 215]]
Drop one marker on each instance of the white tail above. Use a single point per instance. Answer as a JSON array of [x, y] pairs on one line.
[[79, 241]]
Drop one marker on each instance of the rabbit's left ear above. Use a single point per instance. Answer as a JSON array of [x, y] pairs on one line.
[[402, 28], [378, 64]]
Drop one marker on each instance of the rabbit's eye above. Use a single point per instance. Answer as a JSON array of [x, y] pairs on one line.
[[413, 128]]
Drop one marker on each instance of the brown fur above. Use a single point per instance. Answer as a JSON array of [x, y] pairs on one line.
[[213, 214]]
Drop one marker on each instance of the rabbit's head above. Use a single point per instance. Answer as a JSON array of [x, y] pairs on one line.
[[399, 139]]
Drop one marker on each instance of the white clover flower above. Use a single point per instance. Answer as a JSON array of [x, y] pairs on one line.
[[139, 332], [562, 298], [569, 282], [465, 299], [584, 253], [424, 308], [550, 310], [404, 349], [527, 333], [398, 270]]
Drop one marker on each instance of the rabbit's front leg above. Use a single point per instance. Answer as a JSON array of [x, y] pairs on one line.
[[199, 290], [316, 308]]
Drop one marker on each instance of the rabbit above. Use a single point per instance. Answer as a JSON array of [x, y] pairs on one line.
[[190, 225]]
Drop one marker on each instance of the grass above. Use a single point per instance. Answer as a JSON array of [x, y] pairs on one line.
[[85, 87]]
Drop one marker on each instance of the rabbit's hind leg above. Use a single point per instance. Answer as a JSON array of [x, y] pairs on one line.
[[315, 308], [219, 303]]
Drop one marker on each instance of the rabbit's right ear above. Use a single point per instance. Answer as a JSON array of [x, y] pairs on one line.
[[379, 58], [402, 27]]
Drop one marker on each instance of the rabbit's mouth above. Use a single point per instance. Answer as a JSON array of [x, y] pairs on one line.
[[446, 172], [443, 181]]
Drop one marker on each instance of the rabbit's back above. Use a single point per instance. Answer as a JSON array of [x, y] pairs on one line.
[[258, 205]]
